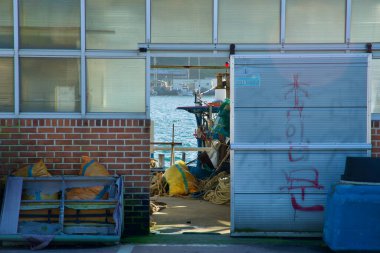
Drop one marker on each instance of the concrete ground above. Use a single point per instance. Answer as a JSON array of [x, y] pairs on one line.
[[188, 215], [189, 243], [181, 248], [189, 226]]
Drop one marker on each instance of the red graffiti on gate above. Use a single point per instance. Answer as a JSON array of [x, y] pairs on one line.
[[303, 179], [296, 89], [295, 134], [300, 157]]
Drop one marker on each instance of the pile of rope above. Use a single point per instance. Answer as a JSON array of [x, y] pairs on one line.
[[158, 185], [156, 206], [217, 189]]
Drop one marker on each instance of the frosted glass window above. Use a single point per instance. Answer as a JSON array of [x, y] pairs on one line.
[[249, 21], [50, 24], [115, 24], [116, 85], [310, 21], [365, 21], [181, 21], [49, 85], [6, 85], [6, 24], [375, 85]]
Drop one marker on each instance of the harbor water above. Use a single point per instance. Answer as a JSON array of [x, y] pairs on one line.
[[164, 114]]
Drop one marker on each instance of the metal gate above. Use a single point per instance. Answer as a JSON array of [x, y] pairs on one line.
[[295, 119]]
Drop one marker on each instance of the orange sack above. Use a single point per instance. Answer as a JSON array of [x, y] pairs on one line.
[[91, 168], [34, 170]]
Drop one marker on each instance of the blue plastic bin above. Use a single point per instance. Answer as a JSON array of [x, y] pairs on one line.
[[352, 217]]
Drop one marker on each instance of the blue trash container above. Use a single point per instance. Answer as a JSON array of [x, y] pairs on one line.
[[352, 217]]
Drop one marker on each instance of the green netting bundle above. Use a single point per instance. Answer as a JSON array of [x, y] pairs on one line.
[[222, 122]]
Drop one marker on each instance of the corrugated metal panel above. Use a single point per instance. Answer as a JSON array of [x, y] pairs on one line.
[[286, 60], [274, 125], [339, 86], [295, 119], [275, 213], [272, 172]]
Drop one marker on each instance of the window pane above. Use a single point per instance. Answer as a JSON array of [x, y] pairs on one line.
[[365, 21], [249, 21], [181, 21], [50, 24], [310, 21], [189, 61], [116, 85], [184, 75], [6, 85], [375, 84], [115, 24], [6, 24], [49, 85]]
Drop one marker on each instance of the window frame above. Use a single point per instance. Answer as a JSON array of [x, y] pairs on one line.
[[342, 10], [163, 39], [148, 50], [37, 47], [80, 53], [144, 30], [13, 18], [7, 54], [352, 26], [34, 55], [224, 20]]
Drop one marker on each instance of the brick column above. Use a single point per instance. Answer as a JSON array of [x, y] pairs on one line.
[[375, 138], [122, 146]]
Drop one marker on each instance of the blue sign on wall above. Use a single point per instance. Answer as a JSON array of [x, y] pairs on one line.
[[247, 80]]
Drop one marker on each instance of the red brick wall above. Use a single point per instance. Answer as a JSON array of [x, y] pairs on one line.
[[122, 146]]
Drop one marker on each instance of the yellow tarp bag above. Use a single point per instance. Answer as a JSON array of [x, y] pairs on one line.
[[35, 170], [180, 180], [89, 168]]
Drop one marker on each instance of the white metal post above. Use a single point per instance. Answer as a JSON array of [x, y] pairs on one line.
[[147, 21], [232, 140], [348, 21], [369, 102], [148, 13], [283, 22], [215, 21], [147, 85], [16, 59], [83, 85]]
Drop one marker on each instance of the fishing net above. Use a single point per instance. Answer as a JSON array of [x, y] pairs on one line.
[[222, 122]]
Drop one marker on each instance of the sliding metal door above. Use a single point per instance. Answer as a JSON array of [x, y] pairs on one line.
[[295, 120]]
